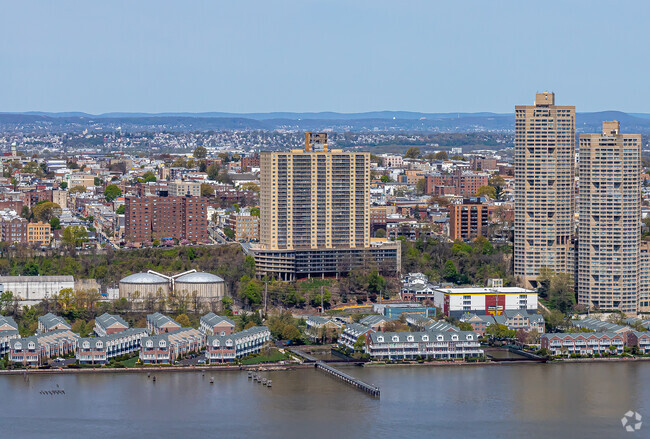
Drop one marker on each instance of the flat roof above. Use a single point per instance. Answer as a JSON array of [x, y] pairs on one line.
[[481, 290]]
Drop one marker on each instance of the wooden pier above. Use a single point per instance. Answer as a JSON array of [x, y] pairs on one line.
[[369, 389]]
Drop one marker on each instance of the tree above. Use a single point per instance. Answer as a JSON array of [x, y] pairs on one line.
[[441, 155], [74, 236], [465, 326], [200, 152], [486, 191], [230, 233], [55, 223], [78, 190], [385, 179], [412, 153], [213, 171], [120, 210], [149, 177], [111, 192], [183, 320], [250, 186], [450, 271], [360, 343], [255, 211], [206, 190], [290, 332], [46, 211], [63, 185], [557, 289], [498, 183], [420, 186], [380, 233]]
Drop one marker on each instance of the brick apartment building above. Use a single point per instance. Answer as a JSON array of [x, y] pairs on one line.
[[152, 217], [461, 183], [468, 220]]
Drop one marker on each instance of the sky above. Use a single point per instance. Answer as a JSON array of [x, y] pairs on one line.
[[321, 55]]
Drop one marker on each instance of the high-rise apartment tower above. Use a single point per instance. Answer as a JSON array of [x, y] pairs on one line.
[[609, 207], [544, 188], [315, 198], [315, 213]]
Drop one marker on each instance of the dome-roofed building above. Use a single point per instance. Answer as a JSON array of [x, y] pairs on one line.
[[208, 287], [143, 284]]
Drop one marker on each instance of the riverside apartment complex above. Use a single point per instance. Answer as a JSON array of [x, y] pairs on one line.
[[315, 213], [602, 250]]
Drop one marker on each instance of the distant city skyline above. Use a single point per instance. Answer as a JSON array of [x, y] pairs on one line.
[[302, 56]]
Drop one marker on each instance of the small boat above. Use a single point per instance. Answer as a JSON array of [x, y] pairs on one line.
[[211, 380], [250, 375], [154, 378], [269, 383], [264, 381]]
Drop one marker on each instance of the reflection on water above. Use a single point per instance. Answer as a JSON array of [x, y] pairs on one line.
[[532, 401]]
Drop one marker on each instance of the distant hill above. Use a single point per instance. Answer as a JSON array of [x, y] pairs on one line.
[[390, 121]]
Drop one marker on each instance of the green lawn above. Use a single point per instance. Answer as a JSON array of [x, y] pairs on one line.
[[130, 362], [274, 357]]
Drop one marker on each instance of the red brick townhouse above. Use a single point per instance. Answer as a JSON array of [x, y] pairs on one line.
[[583, 343], [166, 347]]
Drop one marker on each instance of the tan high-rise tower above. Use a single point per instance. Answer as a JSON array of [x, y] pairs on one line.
[[315, 214], [544, 188], [609, 232], [315, 198]]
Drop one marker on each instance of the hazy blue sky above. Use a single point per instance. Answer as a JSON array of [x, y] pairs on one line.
[[322, 55]]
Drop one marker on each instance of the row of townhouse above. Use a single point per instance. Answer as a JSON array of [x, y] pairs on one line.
[[34, 350], [108, 324], [513, 319], [224, 348], [99, 350], [8, 332], [159, 323], [51, 322], [595, 342], [166, 347], [351, 334], [212, 324], [410, 345], [583, 343]]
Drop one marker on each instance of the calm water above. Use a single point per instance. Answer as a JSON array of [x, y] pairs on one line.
[[503, 401]]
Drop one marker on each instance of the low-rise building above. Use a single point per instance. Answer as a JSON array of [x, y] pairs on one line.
[[245, 226], [484, 301], [434, 345], [376, 322], [351, 334], [521, 319], [583, 343], [318, 325], [158, 323], [99, 350], [479, 323], [50, 322], [108, 324], [39, 233], [225, 348], [33, 289], [600, 326], [167, 347], [212, 324], [8, 332], [35, 350], [640, 340]]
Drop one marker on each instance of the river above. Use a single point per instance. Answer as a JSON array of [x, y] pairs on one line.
[[499, 401]]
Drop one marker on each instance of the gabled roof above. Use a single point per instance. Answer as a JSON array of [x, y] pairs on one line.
[[50, 320], [158, 320], [237, 337], [417, 337], [373, 319], [356, 329], [107, 320], [211, 319], [9, 321]]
